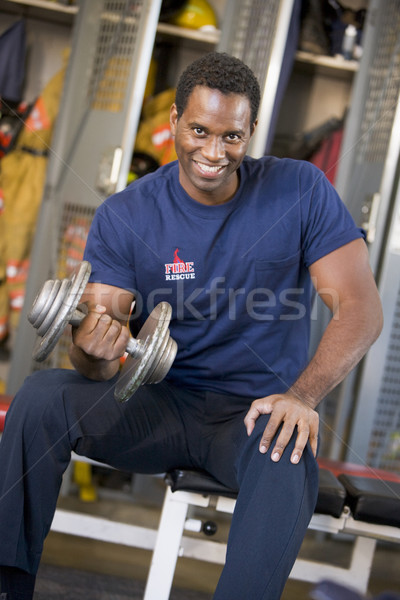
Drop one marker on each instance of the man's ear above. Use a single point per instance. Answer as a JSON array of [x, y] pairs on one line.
[[173, 118], [253, 127]]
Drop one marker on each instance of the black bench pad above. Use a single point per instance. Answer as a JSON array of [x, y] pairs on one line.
[[331, 493], [373, 500], [197, 481]]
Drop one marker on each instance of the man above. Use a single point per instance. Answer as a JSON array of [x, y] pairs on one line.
[[240, 399]]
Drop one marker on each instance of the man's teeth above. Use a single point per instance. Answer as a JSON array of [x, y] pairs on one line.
[[209, 169]]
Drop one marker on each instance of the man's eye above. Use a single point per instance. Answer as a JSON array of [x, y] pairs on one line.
[[198, 130], [232, 137]]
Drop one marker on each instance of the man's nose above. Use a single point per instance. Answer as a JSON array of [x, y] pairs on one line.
[[213, 149]]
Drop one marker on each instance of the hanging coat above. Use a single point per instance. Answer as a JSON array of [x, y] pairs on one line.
[[12, 61], [22, 178], [154, 135]]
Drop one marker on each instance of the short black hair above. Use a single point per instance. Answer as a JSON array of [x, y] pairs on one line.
[[222, 72]]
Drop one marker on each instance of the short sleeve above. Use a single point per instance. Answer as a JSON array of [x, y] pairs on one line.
[[108, 249], [326, 222]]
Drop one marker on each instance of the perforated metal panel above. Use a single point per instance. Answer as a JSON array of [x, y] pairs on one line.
[[254, 24], [384, 444], [375, 435], [115, 45], [72, 234], [256, 32], [383, 89], [370, 120]]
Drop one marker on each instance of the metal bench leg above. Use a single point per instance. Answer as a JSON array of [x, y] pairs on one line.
[[166, 550], [361, 562]]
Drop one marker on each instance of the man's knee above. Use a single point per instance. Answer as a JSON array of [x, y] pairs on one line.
[[41, 392], [250, 453]]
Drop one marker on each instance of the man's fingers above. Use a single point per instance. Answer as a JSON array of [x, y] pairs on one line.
[[100, 335], [251, 418], [301, 442], [313, 433], [314, 444], [270, 432], [257, 408], [282, 440]]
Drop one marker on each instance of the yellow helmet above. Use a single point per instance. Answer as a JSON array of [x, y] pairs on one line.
[[196, 14]]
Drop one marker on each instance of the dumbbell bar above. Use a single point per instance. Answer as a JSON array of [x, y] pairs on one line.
[[150, 354]]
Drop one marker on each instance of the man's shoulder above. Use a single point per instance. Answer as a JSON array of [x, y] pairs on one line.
[[153, 180], [272, 164], [150, 187], [279, 175]]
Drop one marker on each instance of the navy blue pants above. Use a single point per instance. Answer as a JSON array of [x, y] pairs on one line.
[[161, 427]]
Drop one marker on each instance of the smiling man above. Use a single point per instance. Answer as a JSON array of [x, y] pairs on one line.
[[234, 245], [212, 135]]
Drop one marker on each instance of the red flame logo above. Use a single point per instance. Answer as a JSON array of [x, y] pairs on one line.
[[176, 257]]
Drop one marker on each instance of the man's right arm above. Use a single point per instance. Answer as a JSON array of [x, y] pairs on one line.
[[101, 338]]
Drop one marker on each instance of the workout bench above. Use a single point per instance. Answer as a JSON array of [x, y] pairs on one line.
[[357, 502], [354, 500]]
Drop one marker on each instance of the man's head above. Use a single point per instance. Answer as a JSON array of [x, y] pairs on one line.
[[221, 72], [212, 121]]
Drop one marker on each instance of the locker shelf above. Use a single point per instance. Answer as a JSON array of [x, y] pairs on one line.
[[46, 4]]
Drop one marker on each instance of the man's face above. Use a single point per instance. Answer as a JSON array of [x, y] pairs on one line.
[[211, 140]]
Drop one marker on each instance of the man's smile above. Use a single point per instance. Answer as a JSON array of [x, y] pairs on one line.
[[209, 169]]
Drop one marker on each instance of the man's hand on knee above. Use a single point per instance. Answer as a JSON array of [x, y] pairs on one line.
[[290, 412]]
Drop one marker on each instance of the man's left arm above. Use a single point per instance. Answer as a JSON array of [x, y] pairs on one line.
[[344, 281]]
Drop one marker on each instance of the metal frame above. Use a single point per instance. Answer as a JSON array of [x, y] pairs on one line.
[[171, 544]]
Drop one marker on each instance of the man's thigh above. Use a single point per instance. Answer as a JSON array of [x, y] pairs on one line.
[[146, 434]]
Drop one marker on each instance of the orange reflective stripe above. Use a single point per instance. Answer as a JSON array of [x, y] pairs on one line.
[[38, 118]]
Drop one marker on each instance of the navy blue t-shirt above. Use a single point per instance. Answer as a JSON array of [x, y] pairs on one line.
[[236, 274]]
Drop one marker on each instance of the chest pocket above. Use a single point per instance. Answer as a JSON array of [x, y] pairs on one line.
[[279, 290]]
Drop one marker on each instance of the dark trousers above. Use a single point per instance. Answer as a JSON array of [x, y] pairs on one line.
[[161, 427]]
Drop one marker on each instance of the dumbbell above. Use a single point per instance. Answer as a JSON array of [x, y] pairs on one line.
[[150, 354]]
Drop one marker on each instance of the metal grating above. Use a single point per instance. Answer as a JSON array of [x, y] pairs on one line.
[[74, 227], [259, 18], [383, 89], [384, 446], [73, 232], [116, 41]]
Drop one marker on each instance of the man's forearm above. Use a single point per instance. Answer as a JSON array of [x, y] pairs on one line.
[[347, 338]]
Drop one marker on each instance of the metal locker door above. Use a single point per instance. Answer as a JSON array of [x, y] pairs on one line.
[[365, 150], [256, 32], [366, 181], [92, 146], [375, 435]]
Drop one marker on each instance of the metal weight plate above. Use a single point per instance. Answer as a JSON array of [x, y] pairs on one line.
[[163, 362], [153, 334], [156, 357], [54, 307]]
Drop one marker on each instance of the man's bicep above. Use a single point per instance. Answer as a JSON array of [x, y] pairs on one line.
[[344, 275]]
